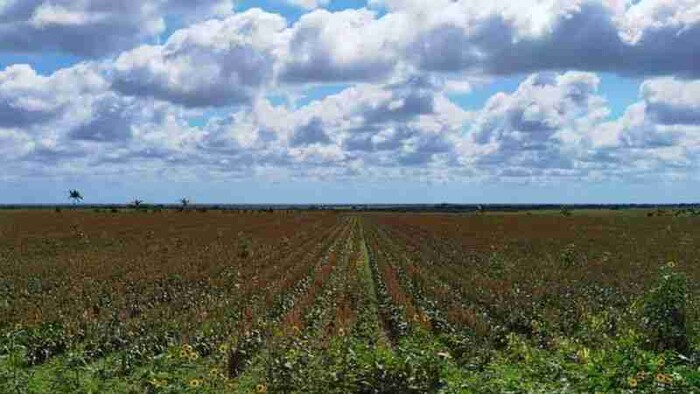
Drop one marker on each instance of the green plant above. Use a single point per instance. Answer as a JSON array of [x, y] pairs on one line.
[[664, 312]]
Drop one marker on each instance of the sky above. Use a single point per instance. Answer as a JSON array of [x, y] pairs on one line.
[[350, 101]]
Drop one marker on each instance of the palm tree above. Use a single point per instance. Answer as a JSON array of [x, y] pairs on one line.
[[75, 196]]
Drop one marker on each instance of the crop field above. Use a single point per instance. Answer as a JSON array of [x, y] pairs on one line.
[[144, 301]]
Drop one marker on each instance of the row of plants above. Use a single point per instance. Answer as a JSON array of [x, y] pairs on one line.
[[600, 339], [112, 344]]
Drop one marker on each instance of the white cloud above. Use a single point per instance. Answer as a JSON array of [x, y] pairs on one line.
[[72, 120], [541, 128], [395, 116], [218, 62], [553, 125], [489, 37], [93, 27], [351, 45], [647, 16], [27, 98]]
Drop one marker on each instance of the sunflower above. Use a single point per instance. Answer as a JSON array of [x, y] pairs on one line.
[[661, 361], [223, 348], [213, 372], [261, 389], [194, 383], [632, 382], [193, 356], [642, 375], [663, 378]]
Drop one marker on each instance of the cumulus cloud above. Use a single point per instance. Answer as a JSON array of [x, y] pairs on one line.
[[351, 45], [92, 27], [250, 50], [660, 132], [72, 116], [218, 62], [670, 102], [400, 62], [407, 122], [553, 125], [648, 37], [27, 98], [538, 128]]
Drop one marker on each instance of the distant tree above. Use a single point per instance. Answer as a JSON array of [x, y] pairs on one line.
[[75, 196], [565, 211], [137, 203], [185, 202]]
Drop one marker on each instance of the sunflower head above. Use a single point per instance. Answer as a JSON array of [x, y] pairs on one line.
[[661, 361], [261, 389], [194, 383], [664, 378]]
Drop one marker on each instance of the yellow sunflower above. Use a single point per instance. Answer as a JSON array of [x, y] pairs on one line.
[[642, 375], [632, 382], [663, 378], [194, 383], [261, 389]]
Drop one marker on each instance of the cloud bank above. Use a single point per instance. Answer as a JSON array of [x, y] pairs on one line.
[[203, 100]]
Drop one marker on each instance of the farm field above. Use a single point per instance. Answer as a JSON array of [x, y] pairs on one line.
[[333, 302]]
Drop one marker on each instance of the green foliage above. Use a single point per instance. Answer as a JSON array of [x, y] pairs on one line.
[[244, 246], [351, 365], [354, 308], [664, 312]]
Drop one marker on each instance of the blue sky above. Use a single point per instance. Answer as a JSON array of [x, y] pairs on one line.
[[317, 101]]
